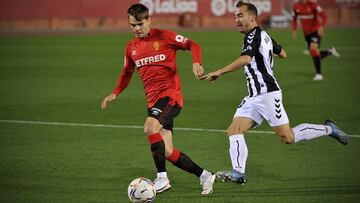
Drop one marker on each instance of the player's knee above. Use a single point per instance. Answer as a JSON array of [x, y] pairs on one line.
[[230, 130], [150, 129], [314, 52], [233, 130], [151, 126]]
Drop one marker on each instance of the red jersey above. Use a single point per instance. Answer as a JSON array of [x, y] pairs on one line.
[[309, 14], [155, 59]]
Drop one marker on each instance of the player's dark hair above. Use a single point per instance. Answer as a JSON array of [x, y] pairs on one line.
[[139, 12], [251, 7]]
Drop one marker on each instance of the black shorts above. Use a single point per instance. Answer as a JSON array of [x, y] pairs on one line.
[[164, 112], [313, 38]]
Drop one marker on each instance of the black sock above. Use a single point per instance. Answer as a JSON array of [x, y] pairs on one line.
[[317, 64], [324, 53], [185, 163], [158, 154], [158, 151]]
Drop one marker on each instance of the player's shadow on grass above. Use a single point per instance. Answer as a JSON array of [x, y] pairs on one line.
[[296, 191], [304, 191]]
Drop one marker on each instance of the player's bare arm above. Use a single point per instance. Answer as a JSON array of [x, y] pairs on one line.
[[123, 82], [294, 34], [195, 49], [238, 63], [282, 54], [107, 100], [198, 70], [294, 24], [322, 20]]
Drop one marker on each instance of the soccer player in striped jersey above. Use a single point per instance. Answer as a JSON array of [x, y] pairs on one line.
[[265, 98], [153, 54], [313, 20]]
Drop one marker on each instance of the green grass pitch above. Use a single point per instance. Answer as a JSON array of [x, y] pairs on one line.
[[64, 78]]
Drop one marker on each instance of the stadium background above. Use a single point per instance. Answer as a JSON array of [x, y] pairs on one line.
[[58, 59], [110, 14]]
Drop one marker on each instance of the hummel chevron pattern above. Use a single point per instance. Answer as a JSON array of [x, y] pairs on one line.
[[278, 108]]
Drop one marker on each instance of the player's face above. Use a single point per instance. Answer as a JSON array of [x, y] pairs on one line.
[[139, 28], [242, 19], [302, 1]]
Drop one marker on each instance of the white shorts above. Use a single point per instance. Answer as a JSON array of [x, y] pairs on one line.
[[268, 106]]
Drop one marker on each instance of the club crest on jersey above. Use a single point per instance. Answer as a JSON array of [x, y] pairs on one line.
[[246, 49], [156, 46], [267, 39]]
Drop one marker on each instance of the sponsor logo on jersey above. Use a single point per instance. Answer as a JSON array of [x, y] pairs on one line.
[[156, 46], [267, 39], [150, 59], [303, 16]]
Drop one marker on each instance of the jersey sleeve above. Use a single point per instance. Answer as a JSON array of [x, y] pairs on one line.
[[320, 13], [126, 73], [251, 43], [294, 18], [177, 42], [276, 47]]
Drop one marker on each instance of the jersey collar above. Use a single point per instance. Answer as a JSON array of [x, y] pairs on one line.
[[256, 27], [148, 36]]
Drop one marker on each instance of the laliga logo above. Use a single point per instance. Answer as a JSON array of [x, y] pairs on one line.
[[170, 6], [221, 7]]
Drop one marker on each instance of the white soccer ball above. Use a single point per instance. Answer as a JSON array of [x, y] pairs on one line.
[[141, 190]]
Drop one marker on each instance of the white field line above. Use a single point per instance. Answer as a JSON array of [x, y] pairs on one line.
[[126, 126]]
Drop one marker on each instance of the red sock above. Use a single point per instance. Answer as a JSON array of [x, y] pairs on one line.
[[174, 157], [154, 138]]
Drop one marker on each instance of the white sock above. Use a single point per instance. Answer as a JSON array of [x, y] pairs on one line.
[[308, 131], [162, 175], [238, 152], [204, 175]]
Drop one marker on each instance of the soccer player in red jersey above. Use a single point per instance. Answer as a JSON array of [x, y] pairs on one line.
[[153, 53], [313, 20]]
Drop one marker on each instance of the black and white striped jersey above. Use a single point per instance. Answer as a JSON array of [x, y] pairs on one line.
[[259, 73]]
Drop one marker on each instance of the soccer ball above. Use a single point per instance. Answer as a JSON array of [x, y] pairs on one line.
[[141, 190]]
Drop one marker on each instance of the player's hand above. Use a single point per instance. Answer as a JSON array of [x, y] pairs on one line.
[[211, 76], [107, 100], [321, 32], [294, 34], [198, 70]]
